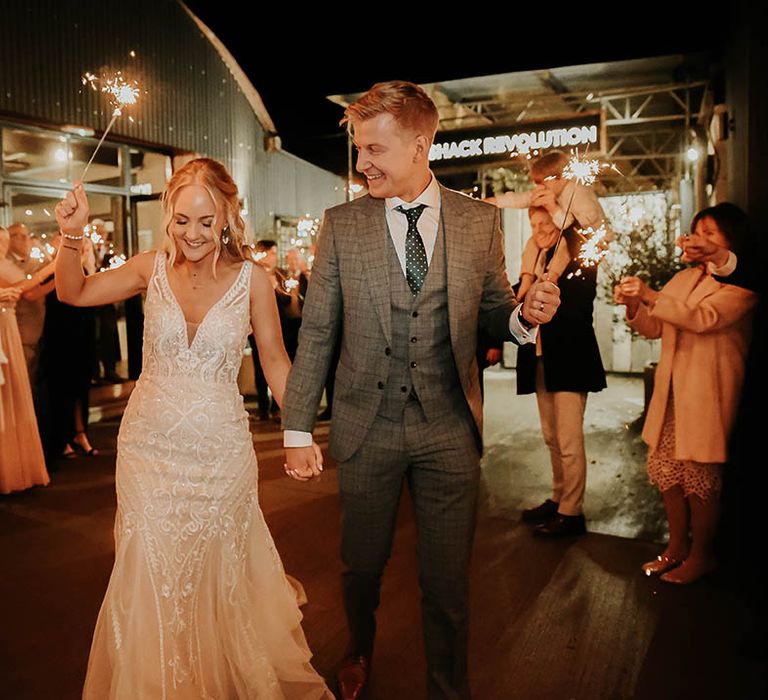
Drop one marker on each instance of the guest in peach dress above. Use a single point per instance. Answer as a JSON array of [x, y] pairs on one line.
[[22, 464]]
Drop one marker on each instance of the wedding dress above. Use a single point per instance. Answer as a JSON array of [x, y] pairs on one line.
[[198, 604]]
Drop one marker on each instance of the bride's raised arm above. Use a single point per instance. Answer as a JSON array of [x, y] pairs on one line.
[[72, 286]]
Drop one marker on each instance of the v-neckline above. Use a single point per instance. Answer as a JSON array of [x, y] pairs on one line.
[[176, 303]]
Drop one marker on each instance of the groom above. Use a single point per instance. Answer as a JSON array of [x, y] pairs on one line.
[[408, 273]]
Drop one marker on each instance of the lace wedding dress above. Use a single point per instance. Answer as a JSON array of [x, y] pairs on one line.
[[198, 604]]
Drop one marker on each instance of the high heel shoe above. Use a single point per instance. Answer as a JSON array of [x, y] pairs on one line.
[[660, 565], [689, 572], [85, 449], [68, 452]]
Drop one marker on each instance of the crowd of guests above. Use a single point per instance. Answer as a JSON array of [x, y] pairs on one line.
[[49, 359], [704, 318], [51, 353]]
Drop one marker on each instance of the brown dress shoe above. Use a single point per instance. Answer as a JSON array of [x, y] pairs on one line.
[[352, 677], [540, 514], [561, 526]]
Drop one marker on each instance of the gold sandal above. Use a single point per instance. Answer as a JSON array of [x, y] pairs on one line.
[[660, 565]]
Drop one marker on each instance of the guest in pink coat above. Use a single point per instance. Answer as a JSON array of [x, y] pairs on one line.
[[705, 327]]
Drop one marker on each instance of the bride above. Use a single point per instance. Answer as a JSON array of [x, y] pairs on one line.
[[198, 604]]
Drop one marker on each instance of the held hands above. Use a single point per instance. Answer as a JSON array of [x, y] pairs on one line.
[[541, 302], [72, 212], [303, 463], [697, 249]]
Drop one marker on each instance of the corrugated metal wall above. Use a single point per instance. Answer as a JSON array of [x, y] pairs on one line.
[[189, 100]]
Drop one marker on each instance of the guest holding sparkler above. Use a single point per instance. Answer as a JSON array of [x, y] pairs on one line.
[[561, 368], [568, 201], [705, 327], [30, 310]]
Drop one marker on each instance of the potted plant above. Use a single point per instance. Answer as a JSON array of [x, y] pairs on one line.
[[645, 229]]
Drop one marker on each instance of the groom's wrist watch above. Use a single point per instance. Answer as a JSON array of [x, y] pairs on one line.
[[523, 321]]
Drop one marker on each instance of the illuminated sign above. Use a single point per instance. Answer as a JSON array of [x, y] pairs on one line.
[[498, 143]]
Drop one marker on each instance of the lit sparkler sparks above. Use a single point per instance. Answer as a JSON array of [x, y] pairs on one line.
[[117, 261], [120, 91], [290, 284], [583, 172], [595, 247], [120, 94]]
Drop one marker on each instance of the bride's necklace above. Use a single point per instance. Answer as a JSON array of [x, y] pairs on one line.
[[195, 283]]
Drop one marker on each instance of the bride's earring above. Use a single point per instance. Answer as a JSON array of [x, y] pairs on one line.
[[225, 235]]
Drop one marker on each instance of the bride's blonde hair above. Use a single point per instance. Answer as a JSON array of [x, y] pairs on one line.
[[228, 226]]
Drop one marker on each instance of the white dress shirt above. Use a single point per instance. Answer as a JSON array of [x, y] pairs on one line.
[[428, 225], [728, 267]]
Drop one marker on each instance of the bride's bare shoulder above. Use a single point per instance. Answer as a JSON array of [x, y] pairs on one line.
[[145, 262], [259, 277]]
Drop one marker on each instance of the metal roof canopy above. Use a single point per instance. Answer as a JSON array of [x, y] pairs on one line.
[[653, 108]]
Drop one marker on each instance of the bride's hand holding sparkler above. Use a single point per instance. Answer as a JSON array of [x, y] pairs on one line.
[[72, 213]]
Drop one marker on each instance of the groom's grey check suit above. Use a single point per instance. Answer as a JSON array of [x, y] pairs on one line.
[[407, 403]]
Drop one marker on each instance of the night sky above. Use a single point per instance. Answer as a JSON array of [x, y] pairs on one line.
[[294, 64]]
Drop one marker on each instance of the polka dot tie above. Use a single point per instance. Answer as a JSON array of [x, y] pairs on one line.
[[415, 254]]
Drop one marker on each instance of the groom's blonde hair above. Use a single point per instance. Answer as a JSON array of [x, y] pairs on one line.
[[409, 104]]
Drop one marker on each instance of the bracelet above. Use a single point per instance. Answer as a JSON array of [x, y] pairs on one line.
[[73, 238]]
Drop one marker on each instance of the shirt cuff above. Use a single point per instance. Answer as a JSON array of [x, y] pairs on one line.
[[296, 438], [522, 334], [726, 269]]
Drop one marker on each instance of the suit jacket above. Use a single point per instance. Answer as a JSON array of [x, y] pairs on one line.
[[569, 347], [350, 283], [704, 327]]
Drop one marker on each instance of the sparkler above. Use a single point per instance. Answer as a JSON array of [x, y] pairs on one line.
[[594, 249], [120, 94], [582, 172], [115, 262]]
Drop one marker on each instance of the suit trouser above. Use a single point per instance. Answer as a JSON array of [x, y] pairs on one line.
[[441, 464], [562, 424]]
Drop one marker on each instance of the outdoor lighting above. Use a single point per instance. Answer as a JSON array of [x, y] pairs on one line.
[[692, 154]]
